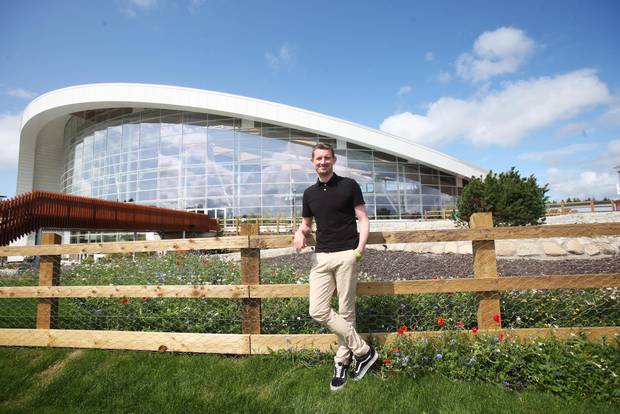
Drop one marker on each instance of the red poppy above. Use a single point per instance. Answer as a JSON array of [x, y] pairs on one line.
[[459, 324], [205, 261], [402, 330], [145, 299], [394, 350], [178, 263], [497, 318], [124, 301], [500, 336], [450, 293], [440, 321], [386, 360], [474, 329]]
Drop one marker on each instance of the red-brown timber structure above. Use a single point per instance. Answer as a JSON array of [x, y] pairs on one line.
[[42, 209]]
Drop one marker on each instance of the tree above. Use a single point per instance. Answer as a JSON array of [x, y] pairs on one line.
[[513, 200]]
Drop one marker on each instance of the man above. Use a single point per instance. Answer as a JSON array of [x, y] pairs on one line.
[[335, 202]]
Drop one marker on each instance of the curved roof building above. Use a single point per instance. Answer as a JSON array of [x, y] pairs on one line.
[[229, 155]]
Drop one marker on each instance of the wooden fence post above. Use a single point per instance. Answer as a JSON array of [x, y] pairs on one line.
[[485, 266], [49, 275], [250, 275]]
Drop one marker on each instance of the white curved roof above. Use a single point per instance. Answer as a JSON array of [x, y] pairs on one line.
[[39, 116]]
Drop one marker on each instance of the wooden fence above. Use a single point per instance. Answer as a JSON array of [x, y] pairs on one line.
[[485, 283]]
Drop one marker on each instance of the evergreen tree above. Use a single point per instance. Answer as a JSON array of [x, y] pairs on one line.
[[513, 200]]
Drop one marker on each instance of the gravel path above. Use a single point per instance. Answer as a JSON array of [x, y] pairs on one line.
[[392, 265]]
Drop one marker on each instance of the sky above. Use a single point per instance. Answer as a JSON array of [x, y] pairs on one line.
[[529, 84]]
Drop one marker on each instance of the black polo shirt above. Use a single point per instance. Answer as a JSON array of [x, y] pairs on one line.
[[332, 204]]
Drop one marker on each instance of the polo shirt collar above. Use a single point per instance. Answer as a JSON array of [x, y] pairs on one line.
[[331, 181]]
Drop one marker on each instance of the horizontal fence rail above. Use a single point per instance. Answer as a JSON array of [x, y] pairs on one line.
[[279, 241], [484, 281]]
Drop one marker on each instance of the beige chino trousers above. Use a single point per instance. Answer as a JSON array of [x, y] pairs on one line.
[[337, 271]]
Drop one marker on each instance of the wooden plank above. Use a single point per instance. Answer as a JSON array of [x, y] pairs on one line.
[[49, 275], [264, 344], [280, 291], [495, 233], [128, 291], [138, 341], [485, 267], [408, 287], [238, 242], [229, 242], [250, 275]]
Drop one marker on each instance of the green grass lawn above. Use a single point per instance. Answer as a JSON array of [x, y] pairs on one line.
[[96, 381]]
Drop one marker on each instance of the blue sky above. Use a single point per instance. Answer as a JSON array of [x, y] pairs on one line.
[[530, 84]]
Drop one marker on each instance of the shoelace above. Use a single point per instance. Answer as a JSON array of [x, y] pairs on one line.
[[340, 371]]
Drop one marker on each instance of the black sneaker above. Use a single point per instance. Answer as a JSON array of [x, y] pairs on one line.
[[340, 376], [363, 363]]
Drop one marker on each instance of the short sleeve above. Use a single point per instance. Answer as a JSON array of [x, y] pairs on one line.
[[305, 209], [358, 198]]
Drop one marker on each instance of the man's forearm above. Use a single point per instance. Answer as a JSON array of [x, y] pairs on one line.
[[364, 229]]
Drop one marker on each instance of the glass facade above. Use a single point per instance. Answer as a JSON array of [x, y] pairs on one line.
[[231, 167]]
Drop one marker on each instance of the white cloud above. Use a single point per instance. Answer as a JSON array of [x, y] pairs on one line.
[[599, 180], [611, 116], [504, 116], [404, 90], [495, 53], [9, 140], [444, 77], [143, 5], [578, 128], [582, 184], [429, 56], [195, 5], [280, 59], [555, 157], [20, 93]]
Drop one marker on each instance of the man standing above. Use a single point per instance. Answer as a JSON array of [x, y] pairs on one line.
[[335, 202]]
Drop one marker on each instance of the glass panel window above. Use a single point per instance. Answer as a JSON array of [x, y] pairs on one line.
[[99, 144], [115, 134], [171, 125], [170, 145], [220, 146]]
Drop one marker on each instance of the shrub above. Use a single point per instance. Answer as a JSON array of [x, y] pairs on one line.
[[513, 200], [572, 368]]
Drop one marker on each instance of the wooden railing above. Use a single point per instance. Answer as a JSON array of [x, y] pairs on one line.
[[569, 207], [485, 283]]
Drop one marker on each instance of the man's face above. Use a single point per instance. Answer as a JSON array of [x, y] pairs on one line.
[[323, 161]]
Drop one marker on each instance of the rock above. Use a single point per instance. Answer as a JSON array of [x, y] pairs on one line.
[[592, 250], [551, 248], [505, 248], [452, 247], [465, 248], [438, 248], [574, 247], [606, 248], [527, 249]]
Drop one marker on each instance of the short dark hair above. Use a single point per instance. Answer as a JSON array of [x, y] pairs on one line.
[[323, 146]]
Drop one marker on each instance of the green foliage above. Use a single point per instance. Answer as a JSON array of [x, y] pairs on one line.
[[98, 381], [574, 368], [513, 200]]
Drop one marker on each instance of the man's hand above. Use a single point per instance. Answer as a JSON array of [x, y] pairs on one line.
[[299, 242]]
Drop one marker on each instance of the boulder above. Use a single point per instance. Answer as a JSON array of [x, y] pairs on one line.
[[551, 248], [528, 249], [592, 250], [505, 248], [574, 247]]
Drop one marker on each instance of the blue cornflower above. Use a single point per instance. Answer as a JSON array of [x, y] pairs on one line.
[[405, 360], [471, 360], [506, 383], [439, 356]]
